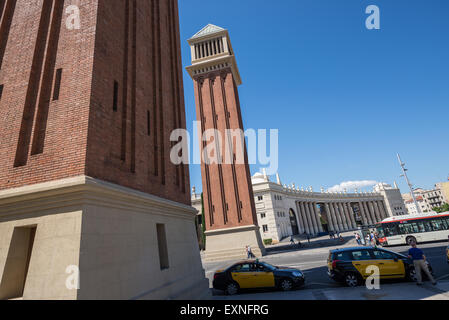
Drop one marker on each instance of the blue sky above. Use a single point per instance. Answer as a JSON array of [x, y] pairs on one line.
[[345, 99]]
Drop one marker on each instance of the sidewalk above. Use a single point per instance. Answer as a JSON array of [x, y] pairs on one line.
[[318, 242], [396, 291]]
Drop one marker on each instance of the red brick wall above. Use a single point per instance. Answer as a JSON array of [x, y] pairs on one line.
[[67, 120], [225, 185], [83, 134]]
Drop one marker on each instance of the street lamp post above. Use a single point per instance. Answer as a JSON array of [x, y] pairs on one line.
[[404, 174]]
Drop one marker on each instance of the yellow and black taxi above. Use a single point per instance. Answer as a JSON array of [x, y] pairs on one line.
[[254, 274], [350, 265]]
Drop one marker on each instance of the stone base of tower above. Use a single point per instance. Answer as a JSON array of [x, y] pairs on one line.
[[230, 244], [108, 233]]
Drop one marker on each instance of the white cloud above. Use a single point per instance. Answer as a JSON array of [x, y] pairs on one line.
[[351, 185]]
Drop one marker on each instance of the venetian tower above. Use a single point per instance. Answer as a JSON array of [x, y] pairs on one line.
[[231, 222], [86, 181]]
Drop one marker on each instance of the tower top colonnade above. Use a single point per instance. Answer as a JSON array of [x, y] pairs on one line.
[[211, 50]]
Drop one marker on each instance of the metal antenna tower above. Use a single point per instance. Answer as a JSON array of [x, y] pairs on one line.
[[404, 174]]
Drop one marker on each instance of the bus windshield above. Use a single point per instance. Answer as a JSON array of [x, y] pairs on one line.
[[380, 231]]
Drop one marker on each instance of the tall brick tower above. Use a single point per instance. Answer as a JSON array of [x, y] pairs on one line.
[[231, 220], [86, 180]]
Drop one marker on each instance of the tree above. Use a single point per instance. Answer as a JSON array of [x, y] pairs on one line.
[[443, 208]]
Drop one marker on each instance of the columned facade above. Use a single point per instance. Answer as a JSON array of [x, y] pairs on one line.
[[316, 212]]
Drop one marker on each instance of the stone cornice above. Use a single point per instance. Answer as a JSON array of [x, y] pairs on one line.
[[82, 191], [300, 195]]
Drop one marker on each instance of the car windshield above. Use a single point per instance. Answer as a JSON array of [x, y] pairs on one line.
[[268, 266]]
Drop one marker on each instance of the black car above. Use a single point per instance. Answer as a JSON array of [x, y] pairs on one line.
[[350, 265], [254, 274]]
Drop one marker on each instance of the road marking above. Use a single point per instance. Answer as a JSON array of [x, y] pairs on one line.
[[443, 277], [319, 295]]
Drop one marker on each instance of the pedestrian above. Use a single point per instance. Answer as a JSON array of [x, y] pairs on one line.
[[419, 261], [250, 253], [357, 238], [373, 243], [292, 241], [367, 239], [308, 238]]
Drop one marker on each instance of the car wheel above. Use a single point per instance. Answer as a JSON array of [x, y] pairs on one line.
[[286, 285], [411, 239], [232, 288], [412, 275], [351, 280]]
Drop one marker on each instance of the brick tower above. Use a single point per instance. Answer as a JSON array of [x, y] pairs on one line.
[[86, 179], [231, 221]]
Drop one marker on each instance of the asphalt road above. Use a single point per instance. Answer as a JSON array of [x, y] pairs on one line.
[[313, 263]]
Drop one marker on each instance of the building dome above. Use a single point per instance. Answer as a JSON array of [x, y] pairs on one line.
[[258, 178]]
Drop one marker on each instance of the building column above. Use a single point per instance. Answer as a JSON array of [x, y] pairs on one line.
[[378, 213], [368, 213], [336, 216], [382, 209], [304, 214], [317, 215], [301, 223], [310, 216], [330, 222], [344, 218], [363, 214], [340, 216], [373, 212], [347, 207]]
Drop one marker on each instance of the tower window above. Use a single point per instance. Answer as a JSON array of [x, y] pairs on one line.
[[17, 263], [115, 101], [148, 123], [57, 87], [1, 91], [162, 244]]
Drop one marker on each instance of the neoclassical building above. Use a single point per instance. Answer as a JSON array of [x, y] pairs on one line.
[[283, 210]]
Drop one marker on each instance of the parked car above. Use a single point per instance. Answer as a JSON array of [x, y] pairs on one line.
[[254, 274], [349, 265]]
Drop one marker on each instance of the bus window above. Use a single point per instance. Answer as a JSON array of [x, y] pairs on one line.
[[421, 226], [437, 225], [391, 229], [427, 226], [445, 222]]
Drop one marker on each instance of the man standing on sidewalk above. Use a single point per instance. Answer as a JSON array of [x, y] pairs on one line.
[[419, 261]]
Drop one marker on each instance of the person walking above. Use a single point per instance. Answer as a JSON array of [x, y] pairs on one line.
[[292, 241], [367, 239], [419, 261], [357, 238], [373, 242], [308, 238], [250, 253]]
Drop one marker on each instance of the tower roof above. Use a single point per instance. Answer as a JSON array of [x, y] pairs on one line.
[[208, 30]]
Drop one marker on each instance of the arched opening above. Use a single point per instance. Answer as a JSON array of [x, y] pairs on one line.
[[294, 222]]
